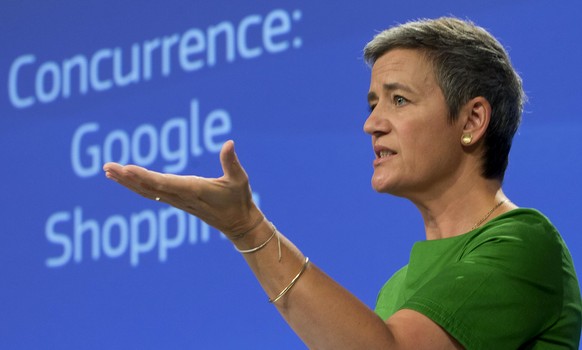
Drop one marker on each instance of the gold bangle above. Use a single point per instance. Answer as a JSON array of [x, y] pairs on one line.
[[284, 291], [262, 245]]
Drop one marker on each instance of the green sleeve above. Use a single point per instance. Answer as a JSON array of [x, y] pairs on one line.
[[504, 289]]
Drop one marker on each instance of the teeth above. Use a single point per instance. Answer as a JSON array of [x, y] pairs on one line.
[[385, 154]]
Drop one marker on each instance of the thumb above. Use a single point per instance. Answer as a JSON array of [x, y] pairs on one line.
[[230, 163]]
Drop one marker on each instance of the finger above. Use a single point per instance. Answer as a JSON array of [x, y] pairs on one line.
[[137, 179], [119, 172], [230, 164], [130, 185], [111, 170], [110, 165]]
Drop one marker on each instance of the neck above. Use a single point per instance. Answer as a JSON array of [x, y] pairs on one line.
[[460, 207]]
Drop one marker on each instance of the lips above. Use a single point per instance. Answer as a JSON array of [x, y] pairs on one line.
[[383, 154]]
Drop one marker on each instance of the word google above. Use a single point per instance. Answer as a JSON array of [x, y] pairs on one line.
[[173, 142], [30, 82]]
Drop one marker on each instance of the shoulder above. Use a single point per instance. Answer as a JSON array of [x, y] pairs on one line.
[[522, 221], [527, 228], [521, 243]]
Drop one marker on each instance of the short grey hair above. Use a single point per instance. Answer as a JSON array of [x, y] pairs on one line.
[[468, 62]]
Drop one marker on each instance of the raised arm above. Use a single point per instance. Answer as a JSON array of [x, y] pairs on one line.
[[322, 313]]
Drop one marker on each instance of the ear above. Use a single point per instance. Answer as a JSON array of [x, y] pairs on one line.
[[475, 116]]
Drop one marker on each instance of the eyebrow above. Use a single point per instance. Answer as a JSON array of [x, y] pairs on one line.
[[389, 87]]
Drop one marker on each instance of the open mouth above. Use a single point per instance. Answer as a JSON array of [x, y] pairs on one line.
[[385, 153]]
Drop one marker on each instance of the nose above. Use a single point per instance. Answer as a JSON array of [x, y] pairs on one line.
[[369, 124], [374, 124]]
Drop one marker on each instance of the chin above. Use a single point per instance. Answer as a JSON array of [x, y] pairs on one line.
[[388, 186], [382, 185]]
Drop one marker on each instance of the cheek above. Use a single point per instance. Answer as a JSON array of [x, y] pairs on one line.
[[427, 150], [416, 145], [443, 153]]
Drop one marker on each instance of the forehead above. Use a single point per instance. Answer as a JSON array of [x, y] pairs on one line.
[[404, 66]]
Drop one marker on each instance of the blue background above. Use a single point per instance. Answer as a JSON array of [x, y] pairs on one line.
[[297, 119]]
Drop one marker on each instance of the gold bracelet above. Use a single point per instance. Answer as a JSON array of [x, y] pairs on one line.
[[262, 245], [284, 291]]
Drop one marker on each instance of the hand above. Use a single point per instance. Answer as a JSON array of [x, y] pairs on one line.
[[224, 203]]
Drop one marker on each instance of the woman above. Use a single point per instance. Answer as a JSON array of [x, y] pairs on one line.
[[445, 104]]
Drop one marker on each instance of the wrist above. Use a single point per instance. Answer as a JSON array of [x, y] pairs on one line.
[[255, 236], [237, 236], [264, 244], [242, 227]]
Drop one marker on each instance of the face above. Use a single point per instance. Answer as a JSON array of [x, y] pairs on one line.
[[417, 149]]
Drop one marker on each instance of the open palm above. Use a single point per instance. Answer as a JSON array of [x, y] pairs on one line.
[[224, 203]]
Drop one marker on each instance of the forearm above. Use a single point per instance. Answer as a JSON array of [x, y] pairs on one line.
[[322, 313]]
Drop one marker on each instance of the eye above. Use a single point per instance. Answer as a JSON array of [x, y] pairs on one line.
[[371, 107], [400, 101]]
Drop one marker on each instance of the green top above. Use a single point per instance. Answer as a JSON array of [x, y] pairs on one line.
[[506, 285]]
